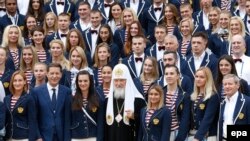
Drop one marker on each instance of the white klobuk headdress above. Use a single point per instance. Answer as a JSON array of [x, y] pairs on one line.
[[121, 71]]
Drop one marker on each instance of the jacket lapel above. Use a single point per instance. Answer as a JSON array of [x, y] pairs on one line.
[[131, 64], [140, 7], [238, 107]]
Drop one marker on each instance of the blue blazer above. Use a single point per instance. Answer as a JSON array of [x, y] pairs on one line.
[[142, 6], [209, 61], [88, 40], [245, 23], [10, 62], [6, 79], [69, 8], [198, 18], [82, 127], [204, 117], [159, 125], [241, 113], [105, 17], [5, 21], [150, 21], [182, 106], [119, 40], [76, 24], [130, 63], [217, 45], [51, 37], [150, 50], [21, 123], [48, 121]]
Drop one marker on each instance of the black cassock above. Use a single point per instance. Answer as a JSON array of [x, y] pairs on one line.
[[120, 131]]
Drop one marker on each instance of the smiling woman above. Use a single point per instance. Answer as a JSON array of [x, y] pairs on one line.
[[13, 41], [155, 119], [20, 110], [27, 62]]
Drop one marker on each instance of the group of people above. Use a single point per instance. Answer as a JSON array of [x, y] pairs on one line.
[[106, 70]]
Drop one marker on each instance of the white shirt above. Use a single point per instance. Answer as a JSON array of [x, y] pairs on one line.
[[242, 12], [242, 68], [60, 8], [158, 13], [205, 21], [159, 54], [138, 65], [91, 2], [51, 91], [2, 13], [229, 112], [93, 40], [135, 5], [198, 60], [83, 25], [63, 38], [23, 6], [14, 19], [107, 9]]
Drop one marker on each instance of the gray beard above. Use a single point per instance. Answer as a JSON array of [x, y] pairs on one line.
[[119, 93]]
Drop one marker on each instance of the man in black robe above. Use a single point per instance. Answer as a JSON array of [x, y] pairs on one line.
[[123, 107]]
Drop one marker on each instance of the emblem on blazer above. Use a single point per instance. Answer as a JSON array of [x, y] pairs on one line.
[[20, 110], [202, 106], [156, 121], [6, 84], [94, 109], [241, 116]]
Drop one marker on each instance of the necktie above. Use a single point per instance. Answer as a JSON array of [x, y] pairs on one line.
[[63, 35], [137, 59], [53, 100], [157, 9], [60, 3], [237, 60], [248, 21], [161, 48], [93, 31]]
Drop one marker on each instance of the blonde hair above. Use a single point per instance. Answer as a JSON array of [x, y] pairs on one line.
[[45, 26], [209, 88], [81, 53], [190, 22], [243, 30], [23, 65], [96, 59], [132, 12], [154, 73], [5, 41], [63, 61], [159, 89]]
